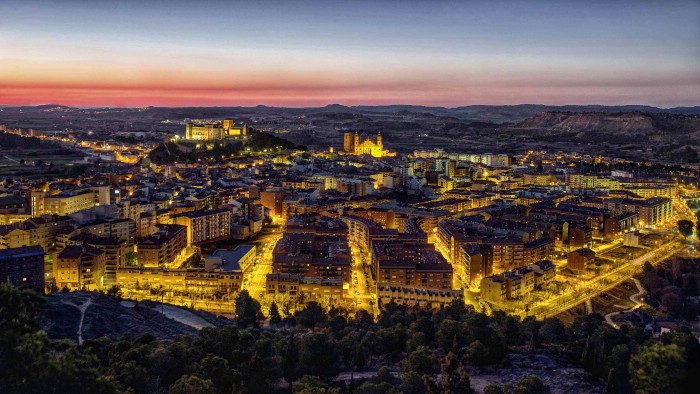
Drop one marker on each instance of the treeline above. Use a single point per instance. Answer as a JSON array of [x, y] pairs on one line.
[[169, 153], [13, 141], [303, 353], [673, 285]]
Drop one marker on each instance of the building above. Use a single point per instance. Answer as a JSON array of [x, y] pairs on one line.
[[474, 261], [237, 259], [286, 287], [545, 272], [580, 259], [416, 264], [273, 200], [414, 296], [164, 247], [620, 224], [651, 212], [217, 284], [362, 231], [67, 202], [115, 256], [312, 256], [509, 253], [206, 226], [363, 144], [23, 267], [214, 131], [40, 231], [517, 283], [79, 267]]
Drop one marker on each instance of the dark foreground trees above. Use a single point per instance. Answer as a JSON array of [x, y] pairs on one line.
[[414, 351]]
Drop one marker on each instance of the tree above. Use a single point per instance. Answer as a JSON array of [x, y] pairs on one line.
[[217, 370], [657, 368], [313, 385], [531, 385], [420, 362], [454, 379], [247, 309], [311, 316], [412, 384], [290, 363], [131, 258], [553, 331], [191, 384], [114, 292], [493, 388], [275, 318], [685, 227], [318, 356]]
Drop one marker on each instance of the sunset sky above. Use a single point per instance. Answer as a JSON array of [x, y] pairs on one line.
[[310, 53]]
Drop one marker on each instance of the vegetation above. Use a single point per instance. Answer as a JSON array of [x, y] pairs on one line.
[[673, 286], [685, 227], [13, 141], [428, 349], [256, 141]]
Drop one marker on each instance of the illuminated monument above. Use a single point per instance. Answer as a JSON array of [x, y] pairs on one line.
[[214, 131], [363, 144]]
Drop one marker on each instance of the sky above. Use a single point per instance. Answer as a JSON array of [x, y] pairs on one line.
[[313, 53]]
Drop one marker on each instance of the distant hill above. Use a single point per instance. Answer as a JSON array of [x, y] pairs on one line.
[[617, 123]]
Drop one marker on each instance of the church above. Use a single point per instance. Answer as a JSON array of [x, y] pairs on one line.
[[363, 144]]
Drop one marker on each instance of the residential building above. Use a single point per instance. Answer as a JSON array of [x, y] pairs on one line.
[[23, 267]]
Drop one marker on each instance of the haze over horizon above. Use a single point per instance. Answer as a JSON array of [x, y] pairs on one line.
[[312, 53]]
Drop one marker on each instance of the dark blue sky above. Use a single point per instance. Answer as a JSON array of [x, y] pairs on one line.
[[373, 52]]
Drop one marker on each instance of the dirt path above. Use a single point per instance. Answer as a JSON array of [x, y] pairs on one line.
[[636, 298], [82, 308]]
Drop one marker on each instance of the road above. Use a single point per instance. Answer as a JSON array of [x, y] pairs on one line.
[[362, 285], [255, 275], [594, 287]]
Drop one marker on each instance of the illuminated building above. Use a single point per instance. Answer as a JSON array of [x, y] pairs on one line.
[[214, 131], [67, 202], [79, 266], [517, 283], [313, 256], [282, 285], [272, 200], [362, 144], [206, 225], [580, 259], [411, 264], [163, 247]]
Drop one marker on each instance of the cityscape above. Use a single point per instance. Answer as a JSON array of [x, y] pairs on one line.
[[255, 229]]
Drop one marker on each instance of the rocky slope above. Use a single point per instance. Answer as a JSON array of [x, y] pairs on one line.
[[104, 316]]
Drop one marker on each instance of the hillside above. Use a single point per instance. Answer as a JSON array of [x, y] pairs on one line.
[[621, 122], [104, 316], [672, 137]]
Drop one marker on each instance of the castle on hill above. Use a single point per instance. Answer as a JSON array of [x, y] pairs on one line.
[[363, 144], [215, 131]]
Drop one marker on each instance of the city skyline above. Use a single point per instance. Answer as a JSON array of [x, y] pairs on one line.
[[299, 54]]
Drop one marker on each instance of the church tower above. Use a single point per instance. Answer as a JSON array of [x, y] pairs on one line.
[[357, 143], [348, 142], [379, 141]]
